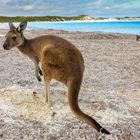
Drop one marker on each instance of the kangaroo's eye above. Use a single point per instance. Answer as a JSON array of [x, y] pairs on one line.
[[14, 38]]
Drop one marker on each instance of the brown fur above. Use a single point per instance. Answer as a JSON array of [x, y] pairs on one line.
[[62, 61]]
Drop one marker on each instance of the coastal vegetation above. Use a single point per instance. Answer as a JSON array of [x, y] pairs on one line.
[[40, 18], [59, 18]]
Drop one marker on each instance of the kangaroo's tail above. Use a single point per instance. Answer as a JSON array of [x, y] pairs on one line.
[[73, 91]]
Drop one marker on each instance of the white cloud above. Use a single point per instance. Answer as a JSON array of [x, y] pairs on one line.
[[126, 5], [4, 3], [68, 7], [28, 7]]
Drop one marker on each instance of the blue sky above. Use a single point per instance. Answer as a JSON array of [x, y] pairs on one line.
[[94, 8]]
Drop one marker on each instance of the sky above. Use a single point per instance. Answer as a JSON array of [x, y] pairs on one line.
[[94, 8]]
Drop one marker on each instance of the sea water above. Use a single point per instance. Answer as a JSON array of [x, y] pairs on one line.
[[127, 27]]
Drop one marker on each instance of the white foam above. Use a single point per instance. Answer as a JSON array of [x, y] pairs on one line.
[[6, 25]]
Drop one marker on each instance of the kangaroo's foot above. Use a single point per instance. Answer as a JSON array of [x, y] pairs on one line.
[[49, 103], [40, 72], [102, 130], [38, 78]]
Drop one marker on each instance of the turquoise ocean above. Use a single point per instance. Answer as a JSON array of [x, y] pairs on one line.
[[126, 27]]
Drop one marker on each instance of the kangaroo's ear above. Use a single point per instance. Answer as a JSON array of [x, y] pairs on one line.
[[11, 25], [22, 26]]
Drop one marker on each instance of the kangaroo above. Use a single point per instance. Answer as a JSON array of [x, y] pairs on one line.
[[59, 59]]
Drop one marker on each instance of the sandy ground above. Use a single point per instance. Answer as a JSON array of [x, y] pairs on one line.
[[110, 91]]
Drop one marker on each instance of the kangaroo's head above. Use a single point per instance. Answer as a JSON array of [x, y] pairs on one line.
[[14, 37]]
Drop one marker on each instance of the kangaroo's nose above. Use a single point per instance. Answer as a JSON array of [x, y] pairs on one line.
[[5, 46]]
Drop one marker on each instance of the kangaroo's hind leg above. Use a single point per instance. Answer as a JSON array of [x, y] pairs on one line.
[[46, 73], [47, 80], [47, 88]]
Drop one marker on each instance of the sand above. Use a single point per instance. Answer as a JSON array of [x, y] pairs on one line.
[[110, 91]]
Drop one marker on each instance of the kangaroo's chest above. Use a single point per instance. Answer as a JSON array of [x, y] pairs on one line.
[[28, 52]]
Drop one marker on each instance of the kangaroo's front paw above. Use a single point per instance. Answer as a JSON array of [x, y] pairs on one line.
[[40, 72], [38, 78]]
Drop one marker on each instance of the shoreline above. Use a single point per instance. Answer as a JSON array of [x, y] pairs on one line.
[[84, 21], [77, 21], [74, 32]]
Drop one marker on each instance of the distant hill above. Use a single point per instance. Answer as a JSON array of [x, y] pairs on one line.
[[59, 18], [43, 18]]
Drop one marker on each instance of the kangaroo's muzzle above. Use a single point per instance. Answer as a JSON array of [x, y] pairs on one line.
[[6, 46]]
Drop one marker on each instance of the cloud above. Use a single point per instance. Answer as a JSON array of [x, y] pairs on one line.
[[127, 5], [93, 8], [28, 7], [94, 4]]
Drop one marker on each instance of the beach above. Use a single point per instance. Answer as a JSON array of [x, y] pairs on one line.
[[110, 91]]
